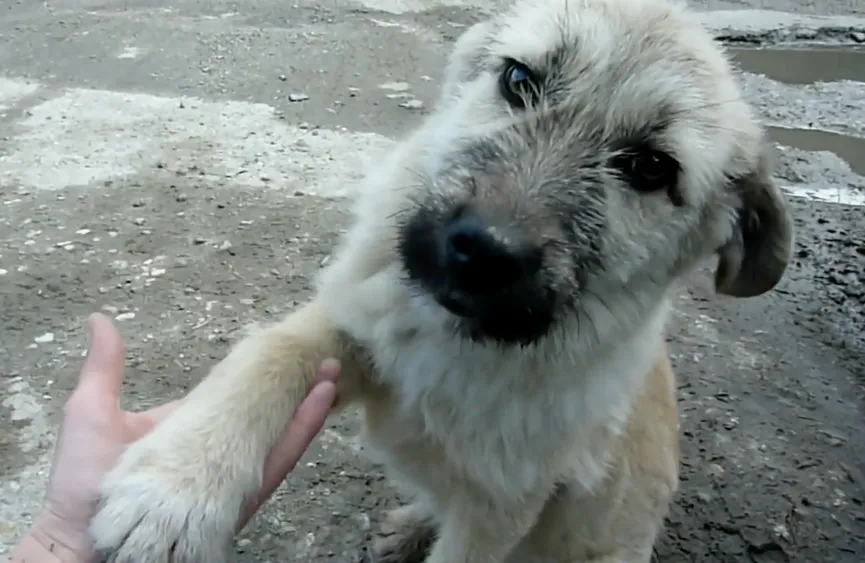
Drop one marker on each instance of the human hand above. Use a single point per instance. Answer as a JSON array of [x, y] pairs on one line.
[[95, 431]]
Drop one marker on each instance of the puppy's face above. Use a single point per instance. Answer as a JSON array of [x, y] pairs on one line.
[[586, 150]]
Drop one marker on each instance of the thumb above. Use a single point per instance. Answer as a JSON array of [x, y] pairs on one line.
[[102, 372]]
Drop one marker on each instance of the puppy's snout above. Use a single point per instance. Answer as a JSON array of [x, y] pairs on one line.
[[482, 260]]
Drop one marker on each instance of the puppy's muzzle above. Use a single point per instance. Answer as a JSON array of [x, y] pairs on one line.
[[480, 259], [482, 267]]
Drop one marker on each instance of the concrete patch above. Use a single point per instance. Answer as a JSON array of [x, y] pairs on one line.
[[12, 91], [94, 136], [817, 192]]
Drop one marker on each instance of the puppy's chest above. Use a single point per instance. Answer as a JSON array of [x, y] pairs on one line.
[[473, 414]]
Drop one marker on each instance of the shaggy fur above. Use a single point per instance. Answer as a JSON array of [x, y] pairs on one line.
[[499, 303]]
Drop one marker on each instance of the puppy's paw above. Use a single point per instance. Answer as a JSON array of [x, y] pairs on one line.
[[407, 535], [147, 514]]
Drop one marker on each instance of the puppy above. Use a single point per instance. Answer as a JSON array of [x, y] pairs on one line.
[[499, 303]]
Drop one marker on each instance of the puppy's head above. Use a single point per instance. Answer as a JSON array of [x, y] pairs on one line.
[[586, 150]]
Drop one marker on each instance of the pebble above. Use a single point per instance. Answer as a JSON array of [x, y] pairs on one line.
[[297, 97], [411, 104], [45, 338], [395, 86]]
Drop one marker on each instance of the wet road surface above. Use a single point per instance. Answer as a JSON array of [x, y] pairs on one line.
[[184, 169]]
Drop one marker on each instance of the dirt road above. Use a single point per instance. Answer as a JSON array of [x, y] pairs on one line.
[[182, 166]]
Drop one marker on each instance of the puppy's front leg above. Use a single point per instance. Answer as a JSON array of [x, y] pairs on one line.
[[176, 495], [479, 530]]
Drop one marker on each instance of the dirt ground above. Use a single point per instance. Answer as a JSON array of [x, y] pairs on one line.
[[185, 240]]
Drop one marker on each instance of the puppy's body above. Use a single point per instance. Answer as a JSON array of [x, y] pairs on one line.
[[499, 303]]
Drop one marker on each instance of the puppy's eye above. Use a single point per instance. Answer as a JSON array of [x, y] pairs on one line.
[[651, 170], [518, 84]]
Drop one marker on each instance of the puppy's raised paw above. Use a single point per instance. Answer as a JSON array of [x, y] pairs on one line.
[[149, 515]]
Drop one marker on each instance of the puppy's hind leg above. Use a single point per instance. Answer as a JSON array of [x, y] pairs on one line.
[[406, 536], [479, 529], [176, 495], [641, 555]]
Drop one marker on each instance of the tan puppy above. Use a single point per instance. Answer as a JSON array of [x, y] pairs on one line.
[[499, 303]]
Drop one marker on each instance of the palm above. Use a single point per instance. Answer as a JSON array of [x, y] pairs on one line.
[[93, 436], [95, 432]]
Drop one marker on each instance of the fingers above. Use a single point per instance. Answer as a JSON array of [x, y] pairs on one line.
[[308, 420], [328, 370], [102, 373], [157, 414], [140, 423]]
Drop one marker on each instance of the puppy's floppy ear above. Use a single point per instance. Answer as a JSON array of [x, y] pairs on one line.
[[755, 258]]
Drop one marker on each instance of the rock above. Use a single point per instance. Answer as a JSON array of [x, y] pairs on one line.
[[412, 104], [45, 338], [715, 470], [297, 97]]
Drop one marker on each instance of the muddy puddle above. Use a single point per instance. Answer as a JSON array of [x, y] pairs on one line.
[[850, 149], [807, 65], [803, 65]]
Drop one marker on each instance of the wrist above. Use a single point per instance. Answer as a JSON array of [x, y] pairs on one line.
[[52, 541], [32, 549]]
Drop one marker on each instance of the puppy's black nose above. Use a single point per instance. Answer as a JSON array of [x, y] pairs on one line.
[[481, 261]]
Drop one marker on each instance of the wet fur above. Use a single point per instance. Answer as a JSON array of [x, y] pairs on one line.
[[562, 449]]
